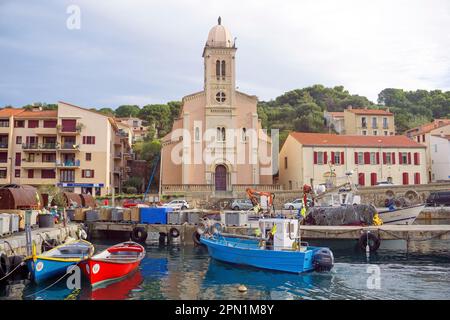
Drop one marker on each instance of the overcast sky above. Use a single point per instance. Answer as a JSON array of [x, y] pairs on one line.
[[141, 52]]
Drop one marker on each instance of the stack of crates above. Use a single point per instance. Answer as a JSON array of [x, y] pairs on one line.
[[116, 214], [193, 216], [14, 222], [5, 224], [236, 218], [176, 217]]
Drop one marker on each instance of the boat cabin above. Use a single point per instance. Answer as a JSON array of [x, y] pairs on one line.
[[286, 232]]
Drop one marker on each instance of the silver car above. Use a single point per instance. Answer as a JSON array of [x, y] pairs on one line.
[[241, 204]]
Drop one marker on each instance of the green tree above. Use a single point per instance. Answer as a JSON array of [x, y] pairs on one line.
[[126, 111]]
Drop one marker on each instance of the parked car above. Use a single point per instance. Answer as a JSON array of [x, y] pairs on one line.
[[294, 205], [241, 204], [440, 198], [129, 203], [177, 204]]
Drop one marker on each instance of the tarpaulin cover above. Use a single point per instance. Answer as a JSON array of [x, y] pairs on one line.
[[20, 197], [338, 216]]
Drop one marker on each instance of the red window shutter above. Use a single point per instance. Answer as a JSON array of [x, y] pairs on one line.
[[366, 157], [373, 178], [409, 157], [378, 157], [332, 157], [417, 178], [384, 158], [405, 178], [92, 173], [325, 157], [400, 159], [18, 161], [93, 140], [315, 157], [84, 139], [361, 180], [342, 158], [393, 157], [356, 157], [82, 173]]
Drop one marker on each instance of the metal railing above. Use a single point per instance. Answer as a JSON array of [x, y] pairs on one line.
[[40, 146], [68, 163]]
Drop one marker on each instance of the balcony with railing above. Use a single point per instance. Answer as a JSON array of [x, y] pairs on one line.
[[69, 146], [3, 145], [37, 164], [4, 126], [40, 146], [70, 130], [68, 164]]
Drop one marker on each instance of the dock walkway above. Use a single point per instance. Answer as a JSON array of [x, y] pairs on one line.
[[16, 243]]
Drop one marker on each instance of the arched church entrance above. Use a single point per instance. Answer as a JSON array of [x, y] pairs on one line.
[[220, 178]]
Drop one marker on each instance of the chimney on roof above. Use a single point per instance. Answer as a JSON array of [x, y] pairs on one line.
[[36, 107], [349, 107], [387, 110], [365, 108]]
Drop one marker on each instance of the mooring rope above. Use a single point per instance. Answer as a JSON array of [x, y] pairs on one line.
[[69, 271], [9, 273], [410, 239]]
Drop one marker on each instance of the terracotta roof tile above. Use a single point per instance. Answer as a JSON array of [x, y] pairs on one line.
[[7, 112], [425, 128], [38, 114], [375, 112], [325, 139]]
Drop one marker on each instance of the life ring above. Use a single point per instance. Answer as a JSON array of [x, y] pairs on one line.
[[374, 241], [196, 238], [174, 233], [139, 234], [4, 265]]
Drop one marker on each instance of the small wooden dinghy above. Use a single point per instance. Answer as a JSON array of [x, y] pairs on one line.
[[114, 263], [56, 261]]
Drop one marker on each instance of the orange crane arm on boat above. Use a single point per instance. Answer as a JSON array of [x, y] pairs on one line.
[[254, 194]]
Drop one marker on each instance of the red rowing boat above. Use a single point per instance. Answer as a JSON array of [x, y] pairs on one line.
[[114, 263]]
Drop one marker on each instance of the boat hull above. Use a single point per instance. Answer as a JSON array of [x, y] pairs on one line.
[[400, 216], [286, 261], [42, 269], [103, 272]]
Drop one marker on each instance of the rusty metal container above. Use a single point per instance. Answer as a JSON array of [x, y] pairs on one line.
[[87, 200], [17, 197]]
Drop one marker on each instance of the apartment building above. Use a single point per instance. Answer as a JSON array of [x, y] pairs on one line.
[[138, 128], [424, 135], [334, 121], [368, 122], [325, 158], [74, 148]]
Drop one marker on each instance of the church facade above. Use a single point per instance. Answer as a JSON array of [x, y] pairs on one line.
[[217, 143]]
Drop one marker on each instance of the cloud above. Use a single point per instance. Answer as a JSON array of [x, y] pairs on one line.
[[150, 51]]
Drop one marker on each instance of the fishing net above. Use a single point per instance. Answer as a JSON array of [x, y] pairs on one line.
[[360, 214]]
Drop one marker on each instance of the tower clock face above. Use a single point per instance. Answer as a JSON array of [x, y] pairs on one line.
[[220, 97]]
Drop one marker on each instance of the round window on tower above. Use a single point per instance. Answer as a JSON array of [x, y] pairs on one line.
[[220, 97]]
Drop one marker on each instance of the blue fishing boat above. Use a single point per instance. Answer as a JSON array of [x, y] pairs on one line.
[[56, 261], [278, 247]]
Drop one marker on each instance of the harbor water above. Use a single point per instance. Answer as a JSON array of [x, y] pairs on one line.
[[187, 272]]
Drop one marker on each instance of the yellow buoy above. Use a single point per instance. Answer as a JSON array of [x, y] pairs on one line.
[[242, 288]]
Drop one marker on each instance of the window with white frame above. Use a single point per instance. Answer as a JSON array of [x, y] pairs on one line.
[[373, 158], [320, 157], [360, 157], [337, 157]]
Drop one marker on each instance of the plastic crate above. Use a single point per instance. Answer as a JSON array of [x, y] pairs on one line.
[[236, 218], [117, 214], [92, 215], [176, 217], [154, 215], [14, 222], [193, 217], [5, 224]]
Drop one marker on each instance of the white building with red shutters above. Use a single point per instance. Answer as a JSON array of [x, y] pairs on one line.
[[326, 158]]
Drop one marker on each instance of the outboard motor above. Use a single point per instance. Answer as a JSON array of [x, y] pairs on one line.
[[323, 260]]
